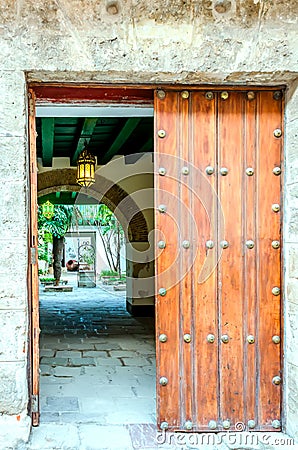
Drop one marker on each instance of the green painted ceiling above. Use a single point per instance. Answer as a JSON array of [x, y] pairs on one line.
[[106, 137]]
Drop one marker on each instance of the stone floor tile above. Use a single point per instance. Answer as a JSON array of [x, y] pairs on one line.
[[55, 436], [108, 361], [136, 361], [61, 371], [61, 404], [54, 361], [95, 354], [46, 352], [79, 362], [68, 354], [123, 353], [97, 437]]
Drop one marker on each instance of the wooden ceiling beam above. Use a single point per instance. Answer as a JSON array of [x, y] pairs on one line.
[[47, 137], [128, 128], [88, 127]]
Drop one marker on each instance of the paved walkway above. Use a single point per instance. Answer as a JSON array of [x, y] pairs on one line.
[[97, 383]]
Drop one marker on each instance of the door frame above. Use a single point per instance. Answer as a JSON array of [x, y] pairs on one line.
[[92, 95]]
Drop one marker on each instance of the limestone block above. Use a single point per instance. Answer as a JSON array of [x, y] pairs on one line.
[[13, 220], [291, 257], [14, 431], [13, 387], [13, 158], [291, 333], [13, 325], [14, 257], [292, 400], [292, 220], [12, 104], [292, 290], [13, 291]]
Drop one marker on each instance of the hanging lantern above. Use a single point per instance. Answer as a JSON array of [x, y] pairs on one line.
[[48, 209], [86, 168]]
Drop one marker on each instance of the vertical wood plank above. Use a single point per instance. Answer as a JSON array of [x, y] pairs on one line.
[[269, 224], [185, 234], [204, 297], [167, 262], [230, 286], [250, 311], [34, 265]]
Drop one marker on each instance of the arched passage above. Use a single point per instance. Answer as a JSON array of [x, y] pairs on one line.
[[104, 191], [129, 215]]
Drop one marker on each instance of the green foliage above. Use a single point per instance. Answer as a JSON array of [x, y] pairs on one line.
[[108, 273], [59, 224]]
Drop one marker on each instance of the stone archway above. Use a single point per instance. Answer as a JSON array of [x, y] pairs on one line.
[[112, 195], [129, 215]]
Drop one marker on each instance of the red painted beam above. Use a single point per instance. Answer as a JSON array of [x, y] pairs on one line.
[[72, 94]]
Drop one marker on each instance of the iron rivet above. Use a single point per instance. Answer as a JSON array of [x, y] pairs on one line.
[[209, 95], [187, 338], [250, 95], [163, 338], [276, 423], [275, 207], [226, 424], [210, 338], [224, 171], [276, 290], [161, 133], [250, 339], [249, 171], [161, 244], [224, 95], [162, 292], [186, 244], [275, 244], [164, 425], [162, 171], [225, 338], [210, 244], [276, 380], [251, 424], [185, 94], [277, 95], [163, 381], [188, 425], [185, 170], [276, 170], [250, 244], [162, 208], [276, 339], [224, 244], [161, 94], [212, 424], [209, 170], [277, 133]]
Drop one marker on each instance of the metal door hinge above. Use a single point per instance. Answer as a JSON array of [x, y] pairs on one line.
[[33, 254], [34, 403]]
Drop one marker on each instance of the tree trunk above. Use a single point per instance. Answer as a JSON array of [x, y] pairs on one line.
[[58, 243]]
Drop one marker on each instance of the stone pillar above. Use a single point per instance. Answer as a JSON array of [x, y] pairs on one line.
[[14, 421], [140, 279], [291, 263]]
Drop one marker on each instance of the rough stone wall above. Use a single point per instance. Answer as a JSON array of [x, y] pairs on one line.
[[131, 41]]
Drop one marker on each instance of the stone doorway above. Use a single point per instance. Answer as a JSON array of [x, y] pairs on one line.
[[86, 340]]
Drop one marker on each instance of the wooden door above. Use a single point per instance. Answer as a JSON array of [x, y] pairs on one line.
[[218, 257], [33, 268]]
